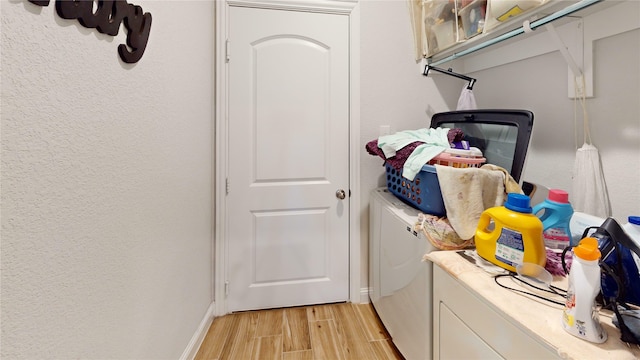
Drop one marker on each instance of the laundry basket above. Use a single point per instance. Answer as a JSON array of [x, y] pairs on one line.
[[423, 192], [459, 158]]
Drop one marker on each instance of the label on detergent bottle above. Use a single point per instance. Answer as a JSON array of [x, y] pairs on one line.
[[510, 247], [556, 238], [569, 305]]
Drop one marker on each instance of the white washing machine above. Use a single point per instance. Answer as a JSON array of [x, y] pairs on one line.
[[400, 283]]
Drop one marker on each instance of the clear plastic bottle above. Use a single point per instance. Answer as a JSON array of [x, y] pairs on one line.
[[555, 213], [516, 236], [632, 228], [580, 315]]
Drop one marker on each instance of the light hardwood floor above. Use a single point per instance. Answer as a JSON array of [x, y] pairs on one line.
[[332, 332]]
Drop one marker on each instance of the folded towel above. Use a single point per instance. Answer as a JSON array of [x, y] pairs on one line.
[[466, 193]]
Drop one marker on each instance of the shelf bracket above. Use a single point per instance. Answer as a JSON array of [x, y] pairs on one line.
[[563, 50], [579, 83]]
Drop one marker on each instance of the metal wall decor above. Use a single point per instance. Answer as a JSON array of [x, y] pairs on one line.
[[106, 18]]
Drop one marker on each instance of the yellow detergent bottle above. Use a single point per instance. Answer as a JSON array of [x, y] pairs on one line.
[[510, 235]]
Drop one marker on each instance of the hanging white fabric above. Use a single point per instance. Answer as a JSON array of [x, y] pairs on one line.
[[588, 183], [467, 100], [589, 188]]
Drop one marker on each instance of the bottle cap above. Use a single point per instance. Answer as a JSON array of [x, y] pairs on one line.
[[635, 220], [587, 249], [559, 196], [518, 202]]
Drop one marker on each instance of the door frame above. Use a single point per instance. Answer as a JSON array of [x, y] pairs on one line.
[[348, 8]]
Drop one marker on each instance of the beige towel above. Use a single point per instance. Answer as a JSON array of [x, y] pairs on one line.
[[467, 193], [510, 184]]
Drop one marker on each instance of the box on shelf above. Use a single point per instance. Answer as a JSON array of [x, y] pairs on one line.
[[441, 24], [500, 11], [472, 16]]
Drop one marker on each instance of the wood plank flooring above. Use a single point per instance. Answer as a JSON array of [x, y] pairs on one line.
[[333, 332]]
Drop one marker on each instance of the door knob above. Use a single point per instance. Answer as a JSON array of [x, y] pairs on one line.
[[340, 194]]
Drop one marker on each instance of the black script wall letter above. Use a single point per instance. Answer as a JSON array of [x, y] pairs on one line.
[[108, 16], [74, 9], [138, 24], [115, 11], [40, 2], [106, 19]]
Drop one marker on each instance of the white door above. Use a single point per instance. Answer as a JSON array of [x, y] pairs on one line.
[[288, 123]]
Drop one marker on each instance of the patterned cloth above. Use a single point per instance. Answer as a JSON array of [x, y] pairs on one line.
[[397, 161]]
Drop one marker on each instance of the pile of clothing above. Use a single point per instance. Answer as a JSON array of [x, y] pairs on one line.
[[409, 150], [466, 192]]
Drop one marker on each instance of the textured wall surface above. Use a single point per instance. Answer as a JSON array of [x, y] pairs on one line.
[[106, 173]]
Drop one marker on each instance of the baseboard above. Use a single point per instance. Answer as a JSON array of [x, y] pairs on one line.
[[364, 295], [193, 346]]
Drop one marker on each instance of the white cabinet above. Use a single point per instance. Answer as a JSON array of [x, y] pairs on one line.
[[458, 341], [474, 318], [465, 326]]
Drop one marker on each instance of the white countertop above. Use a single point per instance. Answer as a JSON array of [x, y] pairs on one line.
[[541, 318]]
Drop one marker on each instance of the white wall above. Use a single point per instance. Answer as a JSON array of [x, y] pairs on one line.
[[540, 85], [393, 92], [106, 185]]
